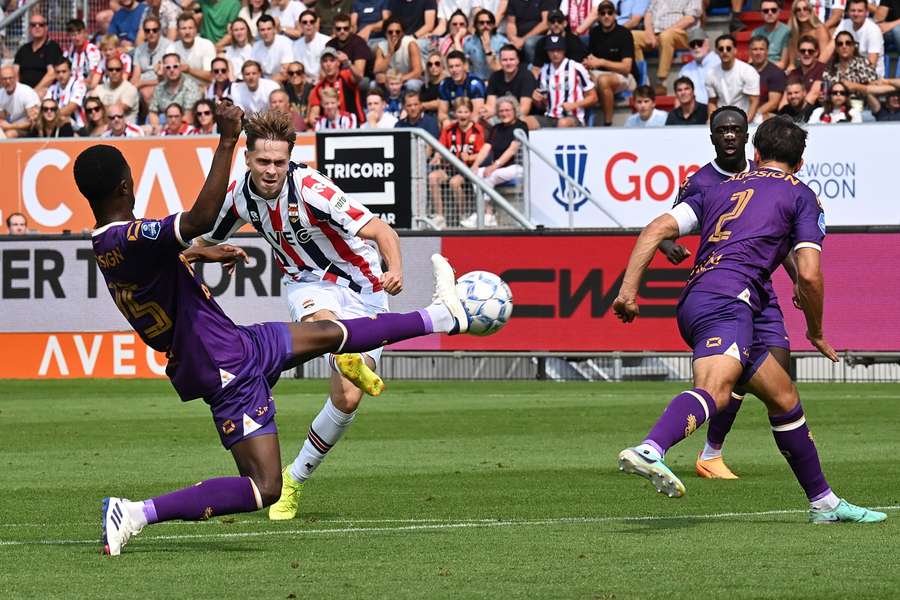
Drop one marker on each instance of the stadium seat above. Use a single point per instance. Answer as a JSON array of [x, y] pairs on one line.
[[743, 36]]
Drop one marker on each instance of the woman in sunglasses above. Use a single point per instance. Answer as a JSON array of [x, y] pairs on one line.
[[804, 22], [298, 88], [457, 33], [94, 117], [400, 52], [204, 117], [837, 108], [50, 123], [434, 74], [848, 67]]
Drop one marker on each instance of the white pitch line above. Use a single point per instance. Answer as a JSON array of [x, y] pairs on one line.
[[439, 526]]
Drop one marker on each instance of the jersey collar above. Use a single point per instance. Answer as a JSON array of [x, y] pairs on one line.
[[100, 230], [257, 198], [722, 171]]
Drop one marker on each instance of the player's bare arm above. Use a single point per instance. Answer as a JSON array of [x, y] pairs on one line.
[[663, 227], [811, 289], [226, 254], [388, 243], [202, 216]]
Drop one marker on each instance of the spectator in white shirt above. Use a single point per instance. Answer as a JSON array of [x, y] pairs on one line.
[[647, 114], [376, 117], [703, 61], [19, 104], [196, 52], [287, 13], [252, 94], [867, 34], [271, 51], [308, 47], [734, 82], [240, 46], [69, 93]]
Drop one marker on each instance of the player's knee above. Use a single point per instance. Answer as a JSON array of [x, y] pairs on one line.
[[269, 487]]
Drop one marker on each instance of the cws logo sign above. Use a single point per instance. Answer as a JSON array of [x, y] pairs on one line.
[[372, 168]]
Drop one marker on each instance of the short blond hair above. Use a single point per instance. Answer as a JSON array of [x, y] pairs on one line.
[[328, 93], [270, 125], [393, 74]]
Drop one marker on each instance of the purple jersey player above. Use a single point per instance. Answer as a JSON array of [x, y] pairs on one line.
[[146, 265], [748, 225], [729, 135]]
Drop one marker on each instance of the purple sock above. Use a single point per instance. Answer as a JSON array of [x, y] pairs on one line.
[[796, 444], [685, 413], [720, 424], [210, 498], [367, 334]]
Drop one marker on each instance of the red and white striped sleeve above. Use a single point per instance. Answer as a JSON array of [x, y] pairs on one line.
[[329, 203]]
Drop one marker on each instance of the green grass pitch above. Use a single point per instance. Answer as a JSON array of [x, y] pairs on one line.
[[445, 490]]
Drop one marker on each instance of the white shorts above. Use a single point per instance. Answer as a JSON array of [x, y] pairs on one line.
[[307, 297]]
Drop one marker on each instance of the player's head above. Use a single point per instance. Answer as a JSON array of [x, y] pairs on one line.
[[270, 139], [780, 140], [104, 178], [728, 133]]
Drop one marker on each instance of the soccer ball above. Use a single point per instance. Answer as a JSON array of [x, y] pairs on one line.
[[487, 299]]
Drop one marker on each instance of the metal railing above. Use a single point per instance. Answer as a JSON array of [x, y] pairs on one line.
[[572, 188], [14, 26]]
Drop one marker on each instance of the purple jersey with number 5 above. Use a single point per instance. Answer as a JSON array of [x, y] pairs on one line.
[[748, 224], [157, 291]]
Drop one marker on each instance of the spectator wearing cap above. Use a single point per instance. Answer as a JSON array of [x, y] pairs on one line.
[[69, 93], [526, 23], [117, 90], [399, 52], [666, 26], [271, 51], [734, 82], [217, 15], [196, 52], [704, 60], [118, 125], [286, 14], [351, 48], [483, 48], [176, 88], [611, 59], [565, 88], [328, 10], [332, 75], [127, 21], [252, 93], [148, 56], [166, 13], [333, 116], [376, 115], [308, 47], [460, 84], [19, 104], [16, 224], [865, 32], [84, 54], [796, 107], [558, 26], [175, 123], [771, 78], [222, 82], [416, 115], [36, 58], [646, 114], [367, 18], [298, 89], [889, 110], [777, 34], [810, 72], [511, 80], [688, 111]]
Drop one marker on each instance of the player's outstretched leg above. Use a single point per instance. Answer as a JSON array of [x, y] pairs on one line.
[[773, 386], [714, 377]]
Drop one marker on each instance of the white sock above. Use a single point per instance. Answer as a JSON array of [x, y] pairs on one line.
[[709, 452], [649, 451], [441, 319], [324, 432], [829, 502], [136, 512]]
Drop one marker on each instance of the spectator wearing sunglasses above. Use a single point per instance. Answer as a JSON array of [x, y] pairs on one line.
[[776, 33], [96, 121], [116, 90], [810, 71], [175, 122], [176, 88], [734, 82], [868, 36], [298, 88], [837, 108], [68, 92], [204, 111], [126, 21], [611, 59], [559, 27], [50, 123], [431, 89], [848, 66], [399, 52], [351, 48], [805, 22], [308, 47], [37, 57], [109, 50], [118, 126], [148, 55], [483, 48], [221, 83], [166, 13], [327, 10], [704, 60]]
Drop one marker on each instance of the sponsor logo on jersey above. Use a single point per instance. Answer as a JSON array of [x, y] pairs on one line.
[[150, 229]]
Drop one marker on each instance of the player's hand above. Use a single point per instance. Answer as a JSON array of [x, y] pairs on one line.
[[626, 308], [392, 282], [652, 40], [798, 304], [823, 347], [676, 253], [226, 254], [229, 119]]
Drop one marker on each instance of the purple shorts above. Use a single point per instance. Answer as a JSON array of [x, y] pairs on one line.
[[712, 324], [769, 324], [243, 407]]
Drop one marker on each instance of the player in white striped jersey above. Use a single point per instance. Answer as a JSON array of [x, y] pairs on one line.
[[318, 237], [565, 88]]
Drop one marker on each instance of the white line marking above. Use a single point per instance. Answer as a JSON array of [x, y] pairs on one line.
[[463, 524]]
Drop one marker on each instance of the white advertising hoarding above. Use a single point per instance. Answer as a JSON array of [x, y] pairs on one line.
[[635, 173]]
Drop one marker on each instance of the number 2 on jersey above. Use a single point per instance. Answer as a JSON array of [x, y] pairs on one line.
[[742, 199]]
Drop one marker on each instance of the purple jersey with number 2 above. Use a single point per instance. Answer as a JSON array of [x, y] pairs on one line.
[[157, 291]]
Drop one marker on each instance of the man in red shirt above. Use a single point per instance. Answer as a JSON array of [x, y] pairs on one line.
[[340, 78]]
